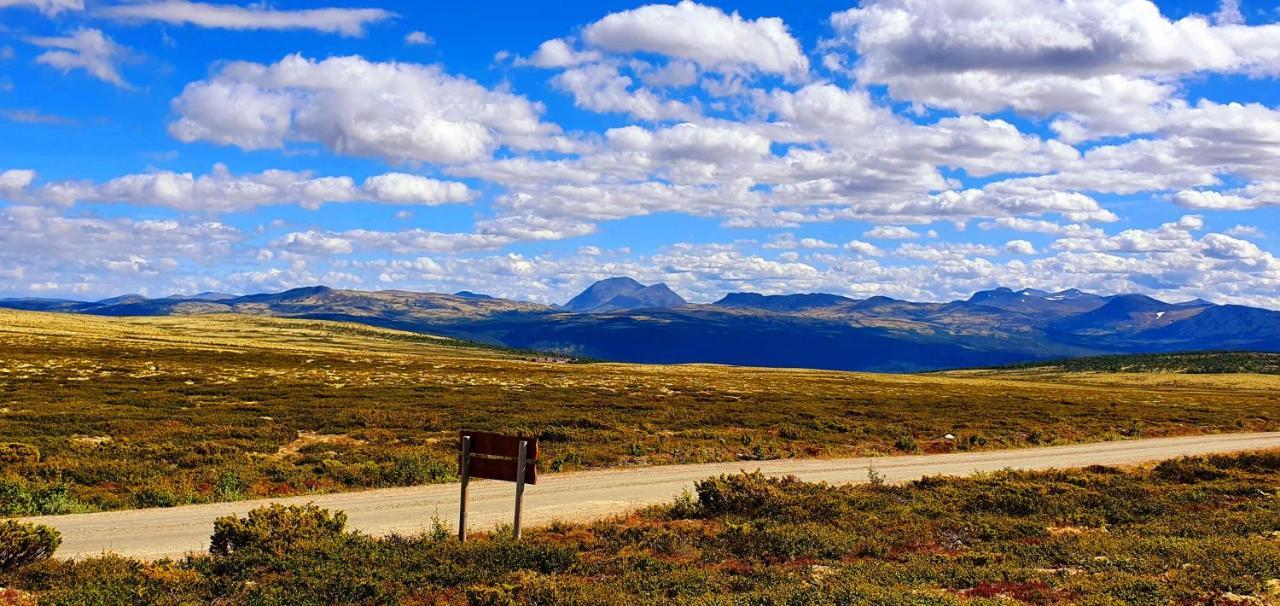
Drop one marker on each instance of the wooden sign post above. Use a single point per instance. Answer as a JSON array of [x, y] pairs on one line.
[[496, 457]]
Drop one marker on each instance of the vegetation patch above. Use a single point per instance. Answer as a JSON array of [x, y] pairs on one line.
[[1154, 535], [109, 413], [1199, 362]]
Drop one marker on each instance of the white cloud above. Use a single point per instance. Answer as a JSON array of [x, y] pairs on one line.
[[90, 252], [600, 87], [706, 35], [1221, 246], [344, 21], [402, 112], [46, 7], [32, 116], [864, 248], [220, 191], [318, 243], [1254, 195], [85, 48], [1228, 13], [1246, 231], [1170, 237], [314, 243], [1107, 63], [953, 252], [402, 188], [817, 243], [15, 181], [556, 52], [1020, 247], [890, 232], [417, 38]]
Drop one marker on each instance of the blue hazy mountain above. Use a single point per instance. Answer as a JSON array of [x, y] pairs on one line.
[[615, 294], [783, 303], [621, 319]]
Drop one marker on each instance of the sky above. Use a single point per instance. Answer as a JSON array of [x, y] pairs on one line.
[[919, 149]]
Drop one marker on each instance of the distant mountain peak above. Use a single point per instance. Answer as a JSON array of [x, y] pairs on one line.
[[207, 295], [1196, 303], [613, 294], [122, 300], [466, 294]]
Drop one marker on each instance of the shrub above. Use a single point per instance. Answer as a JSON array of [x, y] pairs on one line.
[[276, 529], [1188, 470], [154, 496], [789, 432], [22, 544], [229, 486], [17, 452], [412, 470], [754, 495], [16, 498]]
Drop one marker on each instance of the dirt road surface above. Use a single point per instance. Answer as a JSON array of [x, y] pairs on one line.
[[585, 496]]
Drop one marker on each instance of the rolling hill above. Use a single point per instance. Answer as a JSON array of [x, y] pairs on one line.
[[620, 319], [102, 412]]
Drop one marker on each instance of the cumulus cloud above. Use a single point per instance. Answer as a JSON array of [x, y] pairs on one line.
[[1246, 231], [418, 38], [706, 35], [557, 52], [601, 87], [891, 232], [321, 243], [402, 112], [864, 248], [220, 191], [87, 49], [730, 124], [1020, 247], [15, 181], [1252, 196], [1107, 63], [344, 21], [102, 253]]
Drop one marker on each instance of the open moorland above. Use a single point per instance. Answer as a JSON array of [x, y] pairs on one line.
[[1187, 531], [108, 413]]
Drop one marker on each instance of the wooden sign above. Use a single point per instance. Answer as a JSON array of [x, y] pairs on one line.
[[497, 445], [496, 457], [502, 469]]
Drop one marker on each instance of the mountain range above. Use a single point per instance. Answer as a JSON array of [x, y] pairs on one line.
[[620, 319]]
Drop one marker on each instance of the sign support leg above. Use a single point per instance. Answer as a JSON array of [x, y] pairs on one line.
[[464, 468], [520, 465]]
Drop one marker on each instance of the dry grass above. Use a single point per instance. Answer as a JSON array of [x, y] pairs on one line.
[[199, 408]]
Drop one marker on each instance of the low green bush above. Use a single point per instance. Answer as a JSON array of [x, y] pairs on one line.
[[276, 529], [23, 544], [1163, 535]]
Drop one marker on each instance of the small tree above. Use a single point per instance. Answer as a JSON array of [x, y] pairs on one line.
[[276, 529], [22, 544]]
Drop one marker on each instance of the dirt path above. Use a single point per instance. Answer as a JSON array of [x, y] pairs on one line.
[[584, 496]]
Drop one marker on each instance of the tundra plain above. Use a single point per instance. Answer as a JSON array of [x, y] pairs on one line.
[[115, 413]]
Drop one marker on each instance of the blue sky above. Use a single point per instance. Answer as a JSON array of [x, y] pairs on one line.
[[913, 148]]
